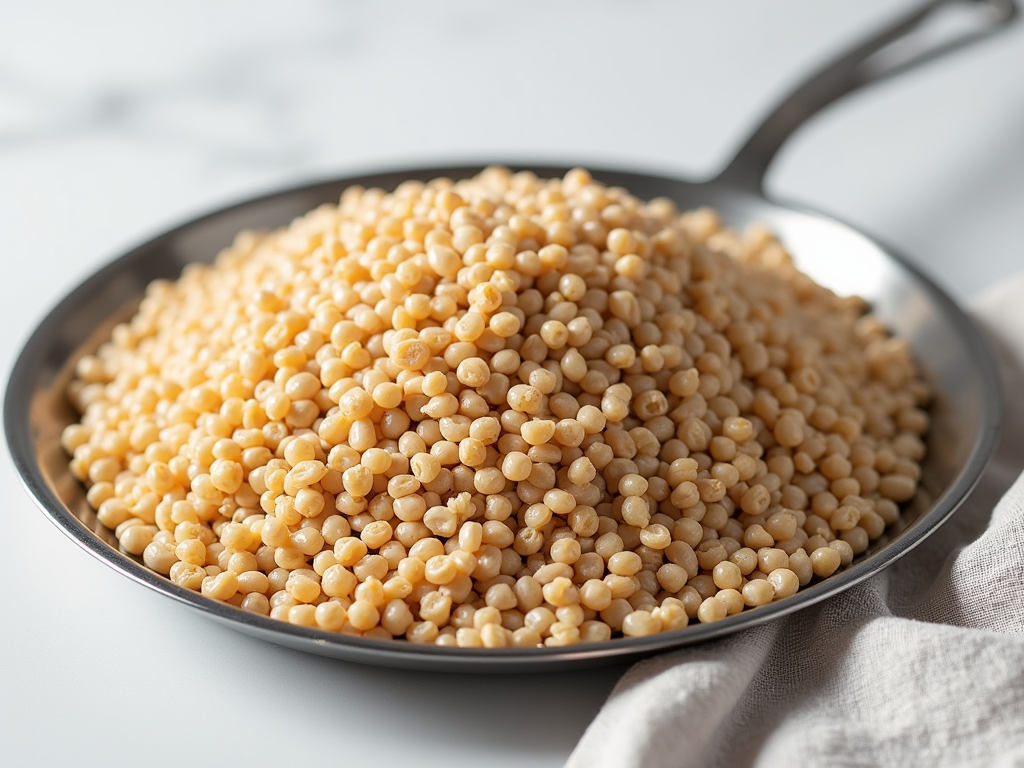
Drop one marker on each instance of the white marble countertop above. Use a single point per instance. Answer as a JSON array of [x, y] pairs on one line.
[[119, 119]]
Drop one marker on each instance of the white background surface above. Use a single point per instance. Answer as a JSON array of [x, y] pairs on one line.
[[119, 119]]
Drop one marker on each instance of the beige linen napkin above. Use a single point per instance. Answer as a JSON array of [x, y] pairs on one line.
[[922, 665]]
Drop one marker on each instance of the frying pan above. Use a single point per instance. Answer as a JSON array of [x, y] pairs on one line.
[[954, 357]]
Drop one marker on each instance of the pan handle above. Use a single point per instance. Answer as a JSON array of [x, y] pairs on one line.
[[904, 44]]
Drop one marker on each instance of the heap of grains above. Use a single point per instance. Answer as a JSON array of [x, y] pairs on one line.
[[506, 411]]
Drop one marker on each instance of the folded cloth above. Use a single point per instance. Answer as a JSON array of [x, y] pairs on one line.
[[921, 665]]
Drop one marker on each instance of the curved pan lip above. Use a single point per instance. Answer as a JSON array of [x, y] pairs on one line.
[[25, 384]]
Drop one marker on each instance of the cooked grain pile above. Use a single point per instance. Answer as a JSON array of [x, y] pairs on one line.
[[507, 411]]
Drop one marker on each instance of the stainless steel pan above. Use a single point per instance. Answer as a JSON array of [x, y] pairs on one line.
[[965, 417]]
